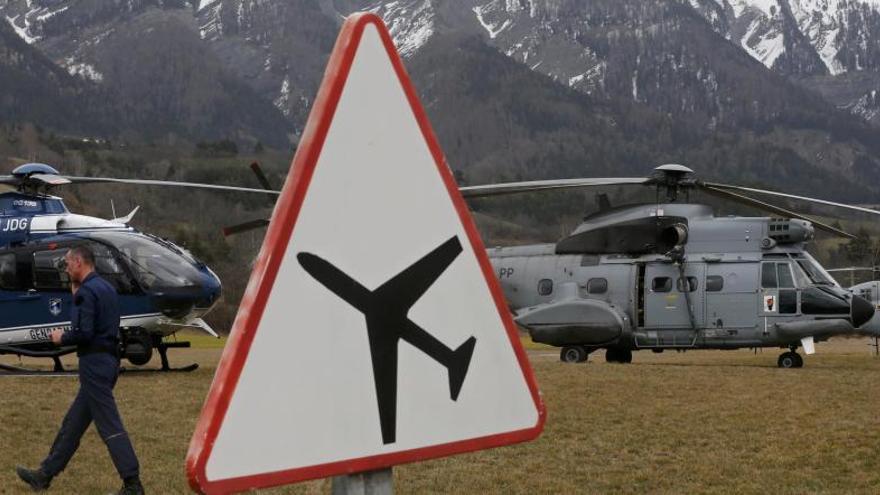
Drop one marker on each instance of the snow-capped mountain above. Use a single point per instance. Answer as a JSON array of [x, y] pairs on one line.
[[577, 43], [145, 69], [515, 88], [792, 35]]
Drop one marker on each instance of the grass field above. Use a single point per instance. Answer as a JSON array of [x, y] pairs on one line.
[[697, 422]]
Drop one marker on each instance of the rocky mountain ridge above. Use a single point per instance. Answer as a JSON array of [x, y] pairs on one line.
[[249, 69]]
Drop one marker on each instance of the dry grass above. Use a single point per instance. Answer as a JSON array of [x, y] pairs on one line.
[[700, 422]]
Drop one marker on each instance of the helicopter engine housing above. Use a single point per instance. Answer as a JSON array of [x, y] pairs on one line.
[[790, 231], [652, 234]]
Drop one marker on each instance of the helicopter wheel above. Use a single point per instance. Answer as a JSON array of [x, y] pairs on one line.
[[138, 348], [573, 354], [790, 360], [615, 355]]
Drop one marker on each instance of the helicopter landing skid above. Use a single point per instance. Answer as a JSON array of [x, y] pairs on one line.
[[9, 370], [163, 356], [186, 369], [59, 370]]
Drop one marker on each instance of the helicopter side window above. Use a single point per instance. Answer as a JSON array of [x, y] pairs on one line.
[[8, 278], [768, 276], [545, 287], [714, 283], [597, 286], [661, 284], [691, 282], [48, 274], [787, 294], [589, 260]]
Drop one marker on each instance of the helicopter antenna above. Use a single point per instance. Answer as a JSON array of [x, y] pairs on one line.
[[112, 208]]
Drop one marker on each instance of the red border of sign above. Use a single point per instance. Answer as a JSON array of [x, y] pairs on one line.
[[266, 269]]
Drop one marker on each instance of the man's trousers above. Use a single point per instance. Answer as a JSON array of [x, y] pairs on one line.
[[94, 402]]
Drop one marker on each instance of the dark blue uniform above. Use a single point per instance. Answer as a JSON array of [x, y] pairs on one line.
[[94, 328]]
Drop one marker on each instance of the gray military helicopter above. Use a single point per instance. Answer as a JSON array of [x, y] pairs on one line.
[[671, 275]]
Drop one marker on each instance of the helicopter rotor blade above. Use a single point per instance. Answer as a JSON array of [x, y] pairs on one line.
[[739, 198], [854, 269], [148, 182], [244, 227], [729, 187], [545, 185], [263, 180], [261, 177]]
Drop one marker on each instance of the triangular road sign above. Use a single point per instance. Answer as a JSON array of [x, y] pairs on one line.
[[372, 331]]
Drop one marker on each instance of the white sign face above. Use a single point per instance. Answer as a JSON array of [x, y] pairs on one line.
[[373, 331]]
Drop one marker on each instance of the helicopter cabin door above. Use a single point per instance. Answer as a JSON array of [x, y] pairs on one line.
[[778, 295], [667, 320], [731, 304]]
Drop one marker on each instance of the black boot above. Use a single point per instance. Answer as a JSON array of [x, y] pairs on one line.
[[132, 486], [36, 479]]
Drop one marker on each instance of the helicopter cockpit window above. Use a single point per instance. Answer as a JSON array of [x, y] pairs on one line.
[[108, 267], [812, 269], [545, 287], [691, 284], [8, 278], [714, 283], [776, 276], [48, 274], [597, 286], [800, 276], [153, 264], [661, 284], [784, 276]]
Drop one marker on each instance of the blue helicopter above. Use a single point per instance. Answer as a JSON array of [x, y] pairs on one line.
[[163, 288]]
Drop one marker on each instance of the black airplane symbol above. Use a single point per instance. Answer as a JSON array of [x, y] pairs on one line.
[[385, 309]]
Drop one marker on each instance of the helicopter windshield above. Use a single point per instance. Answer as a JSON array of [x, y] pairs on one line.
[[813, 270], [153, 263]]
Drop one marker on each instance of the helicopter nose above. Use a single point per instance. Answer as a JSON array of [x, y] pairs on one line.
[[212, 288], [861, 311]]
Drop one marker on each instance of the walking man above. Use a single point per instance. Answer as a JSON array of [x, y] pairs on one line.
[[94, 329]]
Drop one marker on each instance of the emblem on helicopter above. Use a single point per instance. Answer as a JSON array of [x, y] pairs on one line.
[[769, 303], [55, 306]]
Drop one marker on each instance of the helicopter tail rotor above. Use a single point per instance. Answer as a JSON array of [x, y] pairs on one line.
[[260, 222], [245, 226]]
